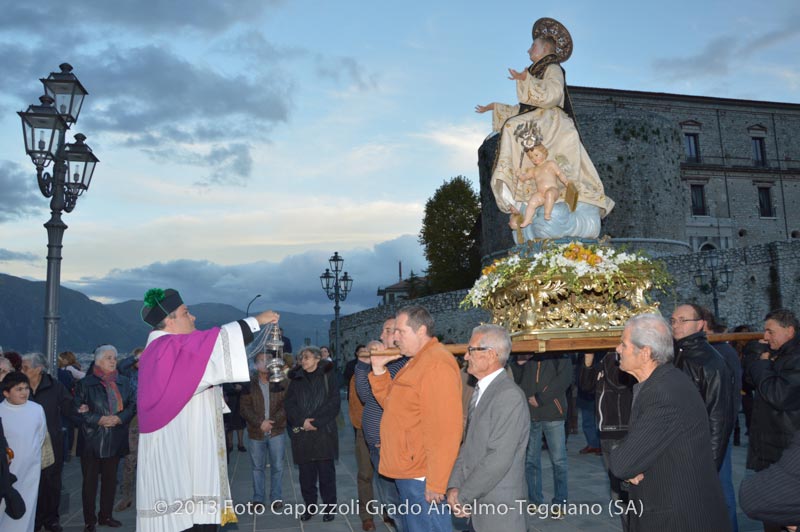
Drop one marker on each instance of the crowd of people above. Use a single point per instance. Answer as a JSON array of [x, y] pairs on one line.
[[435, 436]]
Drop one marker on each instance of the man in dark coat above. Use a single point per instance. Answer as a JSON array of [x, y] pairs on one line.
[[771, 494], [776, 406], [667, 453], [56, 401], [544, 381], [709, 372], [613, 391]]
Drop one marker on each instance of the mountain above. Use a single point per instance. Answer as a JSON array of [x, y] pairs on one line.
[[85, 323]]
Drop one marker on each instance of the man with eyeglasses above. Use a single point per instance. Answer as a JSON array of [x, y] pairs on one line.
[[709, 372], [489, 471]]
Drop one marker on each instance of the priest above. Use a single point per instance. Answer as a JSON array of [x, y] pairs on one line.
[[182, 482]]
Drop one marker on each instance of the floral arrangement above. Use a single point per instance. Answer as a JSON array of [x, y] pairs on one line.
[[575, 264]]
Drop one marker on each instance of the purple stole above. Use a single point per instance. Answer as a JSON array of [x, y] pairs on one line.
[[170, 370]]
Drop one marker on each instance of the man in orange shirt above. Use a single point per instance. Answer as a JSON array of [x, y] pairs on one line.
[[421, 424]]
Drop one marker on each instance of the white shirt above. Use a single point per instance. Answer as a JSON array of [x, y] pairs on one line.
[[485, 382]]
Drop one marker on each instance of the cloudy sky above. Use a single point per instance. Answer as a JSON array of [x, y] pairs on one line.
[[242, 143]]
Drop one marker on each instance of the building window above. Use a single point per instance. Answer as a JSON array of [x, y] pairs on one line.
[[759, 152], [765, 209], [692, 147], [699, 200]]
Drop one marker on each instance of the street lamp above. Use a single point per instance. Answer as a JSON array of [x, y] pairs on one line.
[[719, 281], [336, 288], [247, 312], [44, 129]]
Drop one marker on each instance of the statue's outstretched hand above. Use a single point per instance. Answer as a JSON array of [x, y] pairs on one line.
[[517, 76], [484, 108]]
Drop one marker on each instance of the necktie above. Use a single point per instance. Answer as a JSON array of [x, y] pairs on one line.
[[473, 401]]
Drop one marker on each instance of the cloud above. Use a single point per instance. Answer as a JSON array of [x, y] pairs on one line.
[[345, 69], [135, 15], [727, 54], [291, 284], [461, 142], [6, 255], [714, 60], [19, 196]]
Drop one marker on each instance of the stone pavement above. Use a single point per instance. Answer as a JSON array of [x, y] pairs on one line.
[[587, 484]]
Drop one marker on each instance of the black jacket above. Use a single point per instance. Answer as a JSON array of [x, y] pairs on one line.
[[776, 406], [613, 393], [105, 442], [56, 401], [668, 441], [709, 372], [313, 395], [545, 377]]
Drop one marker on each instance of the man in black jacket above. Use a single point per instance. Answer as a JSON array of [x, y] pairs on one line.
[[776, 378], [613, 391], [709, 372], [544, 379]]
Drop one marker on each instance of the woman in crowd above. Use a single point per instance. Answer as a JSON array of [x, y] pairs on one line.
[[111, 402], [69, 362], [312, 404]]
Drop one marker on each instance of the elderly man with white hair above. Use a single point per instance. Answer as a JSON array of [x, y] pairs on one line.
[[56, 401], [667, 453], [489, 469], [111, 402]]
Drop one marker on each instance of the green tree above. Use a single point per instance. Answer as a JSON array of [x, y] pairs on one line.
[[450, 236], [417, 287]]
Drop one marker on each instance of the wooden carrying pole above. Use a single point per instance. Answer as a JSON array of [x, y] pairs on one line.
[[605, 343]]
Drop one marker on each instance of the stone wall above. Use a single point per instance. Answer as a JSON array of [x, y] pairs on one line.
[[765, 277]]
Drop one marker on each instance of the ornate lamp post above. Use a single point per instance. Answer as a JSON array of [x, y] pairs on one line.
[[247, 312], [719, 281], [336, 288], [44, 128]]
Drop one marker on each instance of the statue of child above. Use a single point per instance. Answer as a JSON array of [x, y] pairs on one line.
[[545, 174]]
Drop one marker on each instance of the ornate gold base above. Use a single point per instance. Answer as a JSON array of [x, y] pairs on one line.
[[536, 309]]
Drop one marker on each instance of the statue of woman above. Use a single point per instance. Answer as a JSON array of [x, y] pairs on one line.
[[543, 117]]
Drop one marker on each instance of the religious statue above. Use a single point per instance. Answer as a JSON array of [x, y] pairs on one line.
[[544, 117]]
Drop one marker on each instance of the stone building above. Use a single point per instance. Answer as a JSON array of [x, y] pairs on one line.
[[688, 174]]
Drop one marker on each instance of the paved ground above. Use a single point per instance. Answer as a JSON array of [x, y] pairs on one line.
[[587, 484]]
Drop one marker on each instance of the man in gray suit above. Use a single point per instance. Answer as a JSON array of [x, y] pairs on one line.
[[488, 478], [667, 453]]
